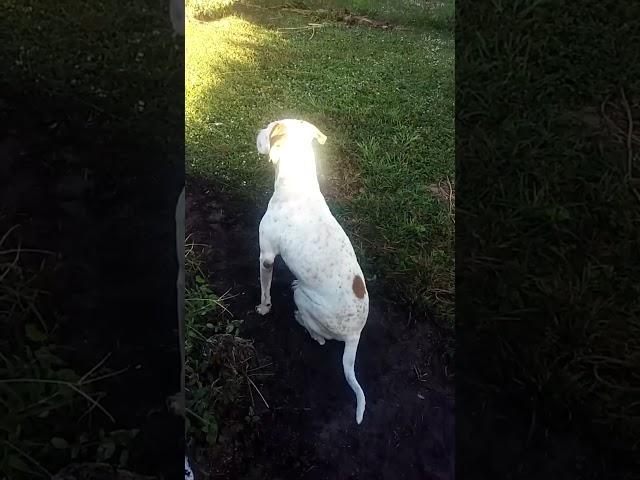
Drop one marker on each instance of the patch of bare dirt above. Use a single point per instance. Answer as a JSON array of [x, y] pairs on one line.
[[444, 191], [309, 430], [341, 16], [360, 20]]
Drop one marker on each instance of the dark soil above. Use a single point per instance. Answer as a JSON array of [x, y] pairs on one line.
[[309, 430], [104, 205]]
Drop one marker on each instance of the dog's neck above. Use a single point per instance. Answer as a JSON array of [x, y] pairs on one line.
[[296, 169]]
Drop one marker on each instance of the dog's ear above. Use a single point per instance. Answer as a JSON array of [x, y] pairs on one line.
[[276, 137], [278, 133], [319, 136], [263, 139]]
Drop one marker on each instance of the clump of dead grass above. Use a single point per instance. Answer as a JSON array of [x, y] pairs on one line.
[[222, 368]]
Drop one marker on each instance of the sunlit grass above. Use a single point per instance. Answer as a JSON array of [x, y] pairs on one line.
[[215, 53], [384, 100], [212, 51]]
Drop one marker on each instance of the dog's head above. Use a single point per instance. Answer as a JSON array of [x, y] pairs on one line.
[[276, 135]]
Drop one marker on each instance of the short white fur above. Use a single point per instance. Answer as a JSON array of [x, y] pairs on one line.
[[329, 291]]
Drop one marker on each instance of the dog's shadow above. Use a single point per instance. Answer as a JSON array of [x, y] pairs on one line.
[[311, 409], [314, 371]]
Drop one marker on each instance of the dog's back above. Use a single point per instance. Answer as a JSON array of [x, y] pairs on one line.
[[330, 291], [318, 252]]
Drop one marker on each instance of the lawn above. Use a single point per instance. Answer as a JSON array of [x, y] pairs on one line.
[[548, 302], [383, 97]]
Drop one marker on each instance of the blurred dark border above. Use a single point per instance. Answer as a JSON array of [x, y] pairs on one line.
[[91, 166], [547, 239]]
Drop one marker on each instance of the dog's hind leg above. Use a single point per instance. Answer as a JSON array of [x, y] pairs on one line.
[[304, 317], [302, 320]]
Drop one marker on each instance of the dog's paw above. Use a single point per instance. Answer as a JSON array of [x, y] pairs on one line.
[[263, 309]]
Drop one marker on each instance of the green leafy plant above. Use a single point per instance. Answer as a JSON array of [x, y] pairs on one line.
[[220, 364], [46, 405]]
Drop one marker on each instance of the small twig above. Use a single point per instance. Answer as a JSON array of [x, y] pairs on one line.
[[87, 412], [7, 233], [257, 390], [532, 425], [10, 266], [361, 238], [91, 400], [313, 32], [629, 138], [309, 26], [28, 457], [408, 320], [70, 385], [42, 401], [613, 385], [26, 250], [260, 367], [419, 375], [625, 103], [106, 375], [96, 367], [603, 112], [253, 403], [440, 299], [450, 195]]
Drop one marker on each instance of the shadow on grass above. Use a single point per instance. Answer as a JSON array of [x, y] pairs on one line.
[[389, 122], [387, 141], [552, 265], [418, 14]]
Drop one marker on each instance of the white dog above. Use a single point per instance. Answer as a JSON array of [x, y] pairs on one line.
[[329, 292]]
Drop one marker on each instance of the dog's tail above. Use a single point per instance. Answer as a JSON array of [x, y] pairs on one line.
[[348, 363]]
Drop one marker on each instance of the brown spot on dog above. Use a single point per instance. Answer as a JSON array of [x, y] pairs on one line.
[[278, 133], [267, 265], [358, 287]]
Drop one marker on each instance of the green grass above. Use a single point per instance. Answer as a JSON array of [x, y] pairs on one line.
[[550, 235], [383, 98], [219, 364], [47, 407], [118, 67]]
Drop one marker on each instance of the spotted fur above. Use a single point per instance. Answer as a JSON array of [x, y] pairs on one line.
[[330, 292]]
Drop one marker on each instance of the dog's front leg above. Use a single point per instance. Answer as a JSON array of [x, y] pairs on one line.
[[266, 274]]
